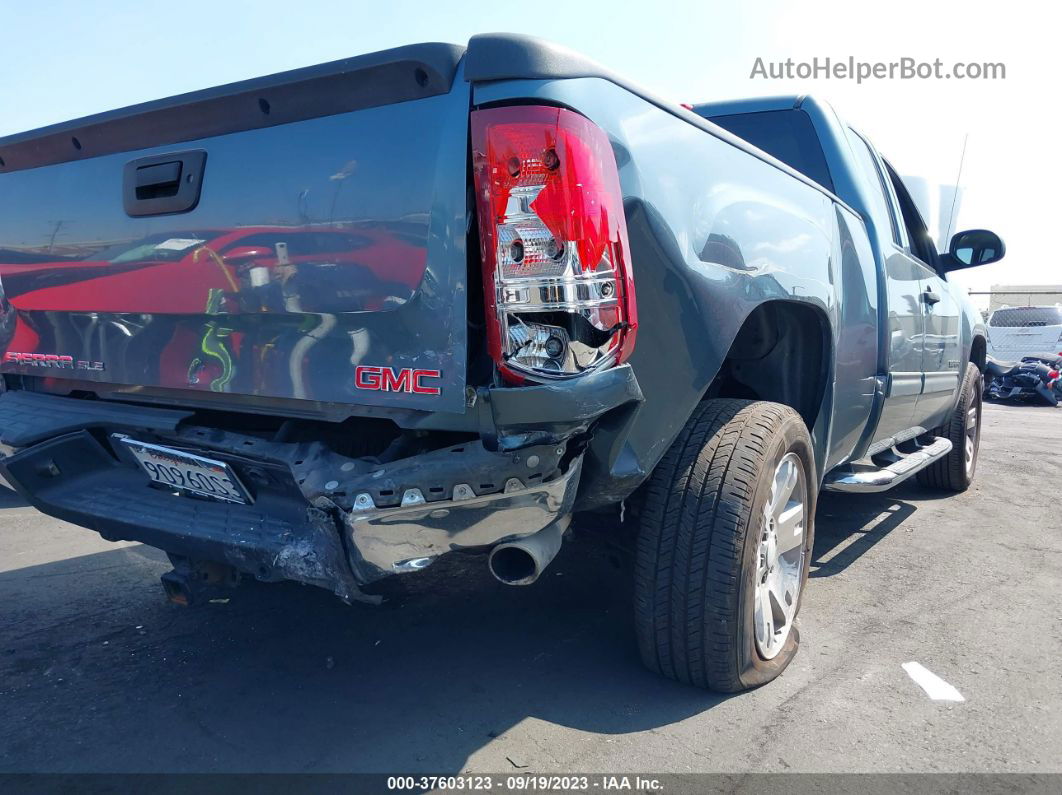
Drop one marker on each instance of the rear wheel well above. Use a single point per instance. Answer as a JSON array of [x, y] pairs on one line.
[[780, 354]]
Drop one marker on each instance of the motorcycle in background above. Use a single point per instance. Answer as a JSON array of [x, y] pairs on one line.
[[1035, 377]]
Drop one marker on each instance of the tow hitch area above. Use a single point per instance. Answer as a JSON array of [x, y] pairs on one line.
[[196, 581]]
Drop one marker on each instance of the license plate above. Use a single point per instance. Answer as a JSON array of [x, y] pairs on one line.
[[187, 472]]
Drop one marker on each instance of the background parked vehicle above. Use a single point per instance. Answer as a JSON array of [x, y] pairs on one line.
[[1018, 331], [602, 301]]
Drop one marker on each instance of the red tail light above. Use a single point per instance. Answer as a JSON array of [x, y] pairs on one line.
[[556, 269]]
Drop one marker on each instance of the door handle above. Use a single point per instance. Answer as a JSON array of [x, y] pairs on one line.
[[930, 297]]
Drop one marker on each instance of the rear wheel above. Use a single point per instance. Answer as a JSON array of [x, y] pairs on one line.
[[724, 546], [955, 471]]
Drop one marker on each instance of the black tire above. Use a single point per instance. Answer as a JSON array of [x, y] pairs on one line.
[[950, 473], [698, 542]]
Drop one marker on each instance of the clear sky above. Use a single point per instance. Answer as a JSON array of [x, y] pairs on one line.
[[63, 59]]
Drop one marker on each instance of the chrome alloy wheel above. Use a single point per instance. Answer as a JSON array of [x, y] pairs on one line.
[[972, 433], [780, 558]]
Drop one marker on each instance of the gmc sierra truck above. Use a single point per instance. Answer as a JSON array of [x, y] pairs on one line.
[[329, 325]]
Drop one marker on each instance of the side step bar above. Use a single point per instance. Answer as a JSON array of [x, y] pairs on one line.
[[861, 478]]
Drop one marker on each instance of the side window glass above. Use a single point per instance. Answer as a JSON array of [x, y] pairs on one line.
[[788, 135], [894, 203], [880, 199], [920, 243]]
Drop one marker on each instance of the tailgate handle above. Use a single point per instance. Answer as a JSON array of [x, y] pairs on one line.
[[161, 180], [163, 184]]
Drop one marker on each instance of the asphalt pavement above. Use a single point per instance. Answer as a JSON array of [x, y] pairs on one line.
[[454, 672]]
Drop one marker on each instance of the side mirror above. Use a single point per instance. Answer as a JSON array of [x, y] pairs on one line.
[[244, 254], [972, 248]]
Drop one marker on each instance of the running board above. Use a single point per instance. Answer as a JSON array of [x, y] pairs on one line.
[[861, 478]]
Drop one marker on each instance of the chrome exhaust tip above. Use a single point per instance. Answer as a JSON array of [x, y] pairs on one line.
[[521, 562]]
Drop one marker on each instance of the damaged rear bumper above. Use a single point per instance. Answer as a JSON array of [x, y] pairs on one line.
[[74, 477], [317, 517]]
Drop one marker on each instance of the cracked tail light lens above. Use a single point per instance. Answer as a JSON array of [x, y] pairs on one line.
[[557, 278]]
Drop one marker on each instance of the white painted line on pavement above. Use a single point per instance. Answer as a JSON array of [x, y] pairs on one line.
[[935, 687]]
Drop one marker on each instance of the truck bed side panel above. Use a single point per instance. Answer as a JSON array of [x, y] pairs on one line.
[[714, 233]]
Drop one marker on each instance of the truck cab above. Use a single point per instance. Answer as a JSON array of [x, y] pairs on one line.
[[929, 332]]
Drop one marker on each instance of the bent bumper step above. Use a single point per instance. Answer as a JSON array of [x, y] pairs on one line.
[[395, 540], [860, 478]]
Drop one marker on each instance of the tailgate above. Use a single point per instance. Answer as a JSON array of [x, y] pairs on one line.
[[300, 236]]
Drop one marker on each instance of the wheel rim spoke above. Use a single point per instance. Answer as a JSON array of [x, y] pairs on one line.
[[973, 428], [780, 557], [785, 480], [764, 617], [790, 526], [784, 598]]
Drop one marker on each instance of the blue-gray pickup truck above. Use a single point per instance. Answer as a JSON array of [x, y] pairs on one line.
[[329, 325]]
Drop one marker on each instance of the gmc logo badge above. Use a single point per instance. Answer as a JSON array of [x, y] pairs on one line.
[[384, 379]]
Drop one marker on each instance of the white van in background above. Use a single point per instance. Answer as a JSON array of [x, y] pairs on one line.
[[1017, 331]]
